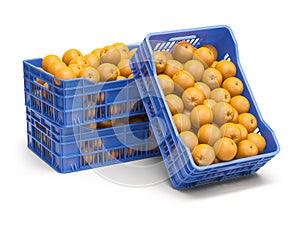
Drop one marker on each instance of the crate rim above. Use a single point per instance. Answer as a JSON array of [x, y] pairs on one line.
[[147, 38], [130, 46], [90, 83]]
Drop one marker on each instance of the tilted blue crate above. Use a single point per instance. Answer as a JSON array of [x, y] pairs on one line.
[[180, 165]]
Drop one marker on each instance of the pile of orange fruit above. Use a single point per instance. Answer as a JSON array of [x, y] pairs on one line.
[[100, 65], [207, 104]]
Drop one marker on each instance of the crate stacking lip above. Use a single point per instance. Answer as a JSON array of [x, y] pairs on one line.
[[183, 172], [79, 147], [79, 101]]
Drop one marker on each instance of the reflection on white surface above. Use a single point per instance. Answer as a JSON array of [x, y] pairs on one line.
[[140, 173]]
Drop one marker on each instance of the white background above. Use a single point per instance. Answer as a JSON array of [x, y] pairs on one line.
[[268, 36]]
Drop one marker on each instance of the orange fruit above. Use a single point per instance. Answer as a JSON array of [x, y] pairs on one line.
[[203, 155], [183, 51], [249, 121], [110, 54], [114, 109], [183, 80], [204, 55], [235, 118], [40, 81], [187, 112], [76, 68], [46, 85], [160, 61], [172, 67], [222, 113], [123, 49], [121, 78], [232, 131], [182, 122], [101, 98], [114, 154], [195, 68], [55, 66], [108, 72], [209, 134], [124, 67], [209, 103], [166, 83], [201, 115], [70, 54], [90, 73], [92, 126], [212, 77], [93, 145], [89, 102], [213, 65], [234, 85], [49, 59], [258, 140], [204, 88], [192, 97], [240, 103], [93, 60], [213, 49], [175, 104], [225, 149], [128, 152], [135, 119], [220, 95], [90, 147], [119, 44], [243, 130], [87, 159], [105, 124], [80, 60], [64, 73], [190, 139], [167, 54], [246, 148], [227, 68], [97, 52]]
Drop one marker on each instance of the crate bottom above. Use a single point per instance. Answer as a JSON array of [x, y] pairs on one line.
[[238, 173], [89, 161]]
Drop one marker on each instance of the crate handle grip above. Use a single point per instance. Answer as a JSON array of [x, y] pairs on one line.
[[183, 38]]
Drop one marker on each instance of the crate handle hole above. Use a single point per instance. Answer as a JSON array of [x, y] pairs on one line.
[[183, 38]]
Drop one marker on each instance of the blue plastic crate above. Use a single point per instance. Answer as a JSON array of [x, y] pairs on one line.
[[79, 147], [180, 165], [79, 101]]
